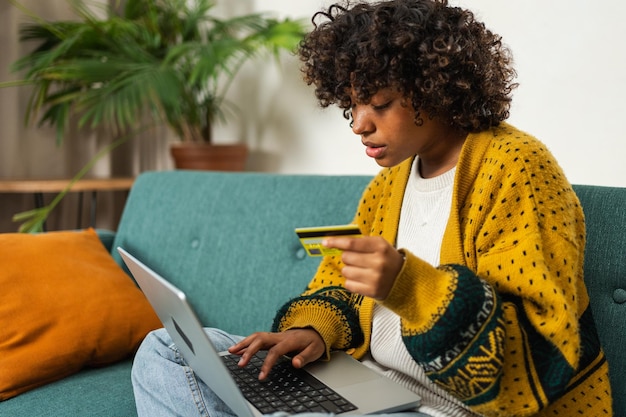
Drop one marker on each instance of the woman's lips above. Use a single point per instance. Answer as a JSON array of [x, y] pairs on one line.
[[374, 151]]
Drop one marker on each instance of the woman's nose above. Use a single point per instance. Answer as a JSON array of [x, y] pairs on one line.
[[361, 122]]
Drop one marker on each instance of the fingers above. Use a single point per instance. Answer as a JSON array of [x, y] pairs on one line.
[[313, 351], [306, 344], [242, 347], [371, 264], [359, 250], [355, 244], [249, 346]]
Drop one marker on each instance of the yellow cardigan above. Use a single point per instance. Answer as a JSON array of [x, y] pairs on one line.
[[504, 323]]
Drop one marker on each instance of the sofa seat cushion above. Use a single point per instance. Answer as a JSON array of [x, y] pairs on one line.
[[64, 305], [93, 392]]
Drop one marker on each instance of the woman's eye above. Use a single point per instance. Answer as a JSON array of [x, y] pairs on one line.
[[383, 106]]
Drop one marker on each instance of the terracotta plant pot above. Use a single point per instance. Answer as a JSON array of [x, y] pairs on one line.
[[202, 156]]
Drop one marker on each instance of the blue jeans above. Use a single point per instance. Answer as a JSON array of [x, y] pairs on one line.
[[164, 385]]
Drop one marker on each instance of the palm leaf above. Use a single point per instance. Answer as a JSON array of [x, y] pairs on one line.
[[161, 61], [169, 59]]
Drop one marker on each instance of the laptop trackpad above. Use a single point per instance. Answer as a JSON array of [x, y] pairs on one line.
[[342, 370]]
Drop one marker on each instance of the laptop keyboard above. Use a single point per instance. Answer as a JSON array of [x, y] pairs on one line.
[[285, 389]]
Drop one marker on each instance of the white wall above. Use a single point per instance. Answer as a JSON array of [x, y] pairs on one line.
[[569, 56], [570, 61], [280, 118]]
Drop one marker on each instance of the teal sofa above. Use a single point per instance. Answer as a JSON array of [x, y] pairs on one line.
[[227, 239]]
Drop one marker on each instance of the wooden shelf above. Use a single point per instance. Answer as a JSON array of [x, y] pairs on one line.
[[58, 185], [39, 187]]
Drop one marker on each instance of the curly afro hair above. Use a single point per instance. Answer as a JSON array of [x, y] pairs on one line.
[[440, 57]]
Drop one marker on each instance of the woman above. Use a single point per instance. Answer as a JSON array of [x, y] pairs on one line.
[[467, 286]]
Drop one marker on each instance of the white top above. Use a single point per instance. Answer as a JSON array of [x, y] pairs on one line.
[[425, 211]]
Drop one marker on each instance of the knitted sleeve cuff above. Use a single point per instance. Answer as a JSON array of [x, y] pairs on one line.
[[337, 324]]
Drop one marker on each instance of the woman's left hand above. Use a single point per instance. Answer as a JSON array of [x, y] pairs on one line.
[[371, 264]]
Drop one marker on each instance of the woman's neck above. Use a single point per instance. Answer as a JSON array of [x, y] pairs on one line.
[[430, 167]]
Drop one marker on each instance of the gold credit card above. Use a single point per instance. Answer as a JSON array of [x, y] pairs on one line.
[[311, 237]]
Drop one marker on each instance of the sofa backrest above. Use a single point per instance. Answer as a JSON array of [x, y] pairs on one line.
[[605, 277], [224, 238], [228, 240]]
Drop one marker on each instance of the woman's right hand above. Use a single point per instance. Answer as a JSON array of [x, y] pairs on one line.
[[303, 345]]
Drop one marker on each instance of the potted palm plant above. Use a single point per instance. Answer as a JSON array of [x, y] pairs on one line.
[[157, 62]]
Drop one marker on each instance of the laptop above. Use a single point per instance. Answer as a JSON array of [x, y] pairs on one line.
[[353, 387]]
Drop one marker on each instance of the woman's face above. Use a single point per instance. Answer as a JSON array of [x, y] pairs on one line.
[[388, 131]]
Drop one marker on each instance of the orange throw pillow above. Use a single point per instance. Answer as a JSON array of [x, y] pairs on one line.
[[64, 305]]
